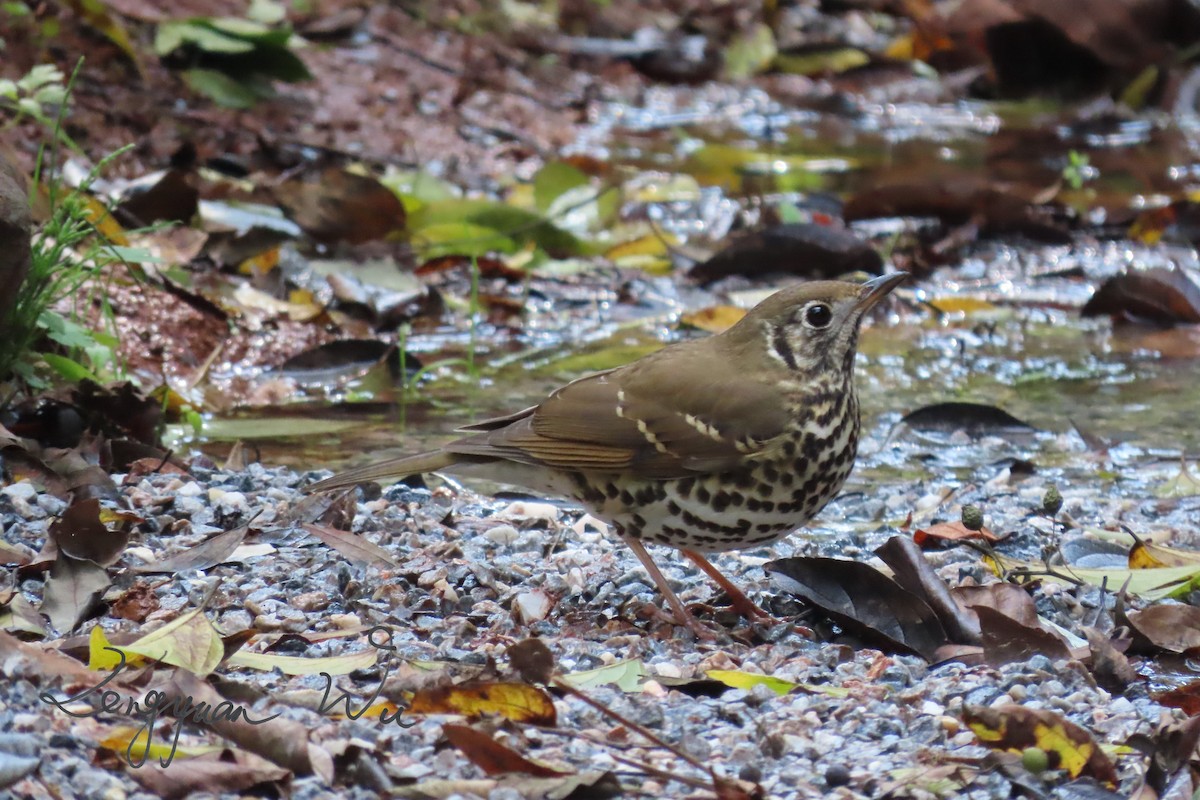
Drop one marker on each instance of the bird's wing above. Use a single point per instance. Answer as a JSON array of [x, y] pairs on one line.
[[651, 418]]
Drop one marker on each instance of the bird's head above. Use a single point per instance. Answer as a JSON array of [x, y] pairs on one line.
[[812, 327]]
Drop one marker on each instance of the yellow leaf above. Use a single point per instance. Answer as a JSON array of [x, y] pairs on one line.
[[297, 665], [131, 744], [713, 319], [260, 264], [748, 680], [101, 655], [961, 305], [519, 702], [189, 642], [1151, 584]]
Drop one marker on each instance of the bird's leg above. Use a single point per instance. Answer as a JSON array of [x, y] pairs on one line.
[[685, 617], [738, 599]]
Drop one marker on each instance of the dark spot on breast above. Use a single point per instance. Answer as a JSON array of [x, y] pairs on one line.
[[673, 508], [626, 497], [685, 486], [789, 448], [770, 473], [720, 501], [753, 504], [702, 494]]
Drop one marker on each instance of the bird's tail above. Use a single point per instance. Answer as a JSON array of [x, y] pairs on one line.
[[392, 468]]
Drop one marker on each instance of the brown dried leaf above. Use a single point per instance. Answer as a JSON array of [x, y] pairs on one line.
[[72, 590], [1171, 627], [281, 741], [342, 207], [862, 600], [951, 532], [357, 550], [1159, 294], [491, 756], [1006, 640], [210, 552], [81, 534]]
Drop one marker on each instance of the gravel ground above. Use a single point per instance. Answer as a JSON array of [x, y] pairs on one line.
[[472, 575]]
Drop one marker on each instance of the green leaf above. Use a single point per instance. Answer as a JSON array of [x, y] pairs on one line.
[[625, 675], [1184, 484], [69, 369], [220, 88], [172, 35], [750, 53], [514, 223], [461, 239], [553, 180]]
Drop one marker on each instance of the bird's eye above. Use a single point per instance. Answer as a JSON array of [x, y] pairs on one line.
[[818, 315]]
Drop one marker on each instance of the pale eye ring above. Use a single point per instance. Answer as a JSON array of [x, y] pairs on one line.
[[818, 316]]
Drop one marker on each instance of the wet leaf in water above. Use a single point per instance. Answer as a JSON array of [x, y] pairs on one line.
[[1161, 295], [862, 600], [1111, 668], [974, 419], [805, 249], [342, 207], [713, 319], [491, 756], [1184, 484], [553, 180], [820, 59], [1015, 728], [345, 359]]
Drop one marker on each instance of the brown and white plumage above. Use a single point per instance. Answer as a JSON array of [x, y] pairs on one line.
[[713, 444]]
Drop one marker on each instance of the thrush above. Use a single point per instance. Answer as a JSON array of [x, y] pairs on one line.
[[708, 445]]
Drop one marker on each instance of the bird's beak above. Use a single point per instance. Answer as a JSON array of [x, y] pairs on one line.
[[876, 289]]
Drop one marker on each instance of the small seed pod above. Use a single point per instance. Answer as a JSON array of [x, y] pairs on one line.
[[1052, 501], [972, 517]]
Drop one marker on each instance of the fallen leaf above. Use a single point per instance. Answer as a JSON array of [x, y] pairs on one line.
[[862, 600], [1015, 728], [188, 641], [952, 532], [209, 553], [748, 680], [713, 319], [807, 249], [491, 756], [1158, 294], [353, 547], [625, 675], [72, 590], [299, 665], [516, 701], [1166, 626], [81, 534]]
